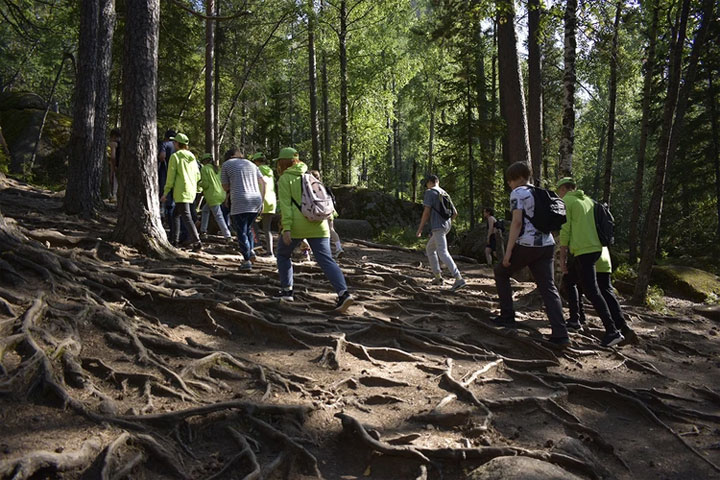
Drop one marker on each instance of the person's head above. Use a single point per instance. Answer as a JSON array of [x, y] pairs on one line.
[[170, 134], [432, 181], [488, 212], [115, 134], [287, 157], [259, 159], [565, 185], [234, 152], [206, 158], [517, 174], [316, 174], [181, 141]]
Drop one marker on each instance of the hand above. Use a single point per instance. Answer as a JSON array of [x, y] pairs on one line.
[[419, 233], [287, 238], [163, 199], [506, 261], [564, 267]]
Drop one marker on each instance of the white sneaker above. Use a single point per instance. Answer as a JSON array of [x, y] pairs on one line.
[[459, 283]]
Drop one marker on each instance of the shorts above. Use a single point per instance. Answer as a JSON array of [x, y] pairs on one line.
[[492, 244]]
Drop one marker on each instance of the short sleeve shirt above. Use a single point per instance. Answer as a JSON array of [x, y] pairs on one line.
[[243, 176], [522, 199], [432, 199]]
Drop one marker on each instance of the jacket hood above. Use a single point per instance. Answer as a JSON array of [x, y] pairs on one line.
[[577, 193], [296, 170]]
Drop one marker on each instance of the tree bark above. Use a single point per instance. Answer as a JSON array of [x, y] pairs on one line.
[[652, 233], [715, 149], [326, 112], [344, 159], [613, 101], [567, 140], [516, 144], [535, 109], [471, 159], [396, 145], [486, 183], [644, 132], [312, 74], [209, 77], [216, 95], [431, 140], [82, 195], [138, 221]]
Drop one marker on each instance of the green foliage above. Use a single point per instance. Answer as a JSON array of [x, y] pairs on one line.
[[404, 237], [655, 299]]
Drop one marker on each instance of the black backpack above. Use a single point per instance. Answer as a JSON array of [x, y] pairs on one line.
[[604, 224], [549, 210], [445, 207]]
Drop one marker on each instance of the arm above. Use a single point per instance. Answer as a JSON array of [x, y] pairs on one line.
[[262, 185], [161, 156], [285, 204], [170, 182], [113, 156], [515, 227], [224, 178], [564, 240], [491, 226], [424, 220]]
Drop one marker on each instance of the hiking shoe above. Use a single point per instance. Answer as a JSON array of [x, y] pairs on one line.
[[630, 336], [612, 339], [343, 302], [229, 240], [203, 235], [575, 327], [284, 296], [339, 253], [246, 266], [459, 283], [504, 322], [437, 281], [197, 247], [559, 342]]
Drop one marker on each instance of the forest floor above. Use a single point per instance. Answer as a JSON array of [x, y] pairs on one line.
[[114, 365]]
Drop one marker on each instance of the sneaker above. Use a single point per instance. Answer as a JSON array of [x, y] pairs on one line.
[[284, 296], [612, 339], [630, 336], [229, 240], [437, 281], [459, 283], [343, 302], [504, 322], [203, 235], [246, 266], [339, 253], [197, 247], [559, 342], [575, 327]]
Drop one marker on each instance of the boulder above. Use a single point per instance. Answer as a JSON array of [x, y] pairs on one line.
[[15, 100], [381, 210], [348, 228], [686, 282], [520, 468]]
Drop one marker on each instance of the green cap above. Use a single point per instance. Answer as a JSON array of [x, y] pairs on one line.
[[565, 180], [205, 156], [257, 156], [181, 138], [287, 153]]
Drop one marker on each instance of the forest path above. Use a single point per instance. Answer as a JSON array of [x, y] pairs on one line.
[[114, 365]]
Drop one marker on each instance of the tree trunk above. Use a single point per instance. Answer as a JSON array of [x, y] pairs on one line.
[[344, 159], [715, 149], [396, 146], [652, 233], [414, 179], [216, 96], [613, 102], [598, 161], [486, 186], [493, 104], [312, 73], [567, 140], [138, 221], [326, 112], [209, 77], [471, 159], [516, 144], [82, 195], [535, 109], [431, 140], [644, 131]]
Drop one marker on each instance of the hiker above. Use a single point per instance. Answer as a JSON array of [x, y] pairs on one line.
[[246, 185], [114, 162], [334, 237], [440, 212], [491, 245], [214, 196], [183, 178], [579, 236], [269, 200], [528, 246], [296, 227]]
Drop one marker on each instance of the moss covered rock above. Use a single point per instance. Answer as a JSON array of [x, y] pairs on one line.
[[381, 210], [686, 282], [15, 100]]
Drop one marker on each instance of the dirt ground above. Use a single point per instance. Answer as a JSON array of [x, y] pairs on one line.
[[114, 365]]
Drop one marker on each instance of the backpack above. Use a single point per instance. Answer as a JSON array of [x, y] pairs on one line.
[[445, 206], [549, 210], [317, 204], [500, 225], [604, 224]]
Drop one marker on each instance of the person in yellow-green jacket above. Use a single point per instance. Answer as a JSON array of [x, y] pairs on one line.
[[214, 196], [295, 228], [182, 178], [579, 237], [269, 200]]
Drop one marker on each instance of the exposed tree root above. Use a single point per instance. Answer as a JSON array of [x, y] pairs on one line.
[[26, 466]]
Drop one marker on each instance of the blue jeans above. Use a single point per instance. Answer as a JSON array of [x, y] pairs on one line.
[[216, 211], [243, 227], [321, 249]]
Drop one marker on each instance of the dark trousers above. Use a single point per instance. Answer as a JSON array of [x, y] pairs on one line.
[[181, 212], [585, 265], [574, 293], [540, 262]]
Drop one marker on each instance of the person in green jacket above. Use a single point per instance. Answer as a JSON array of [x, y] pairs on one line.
[[269, 200], [214, 196], [579, 237], [295, 227], [182, 178]]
